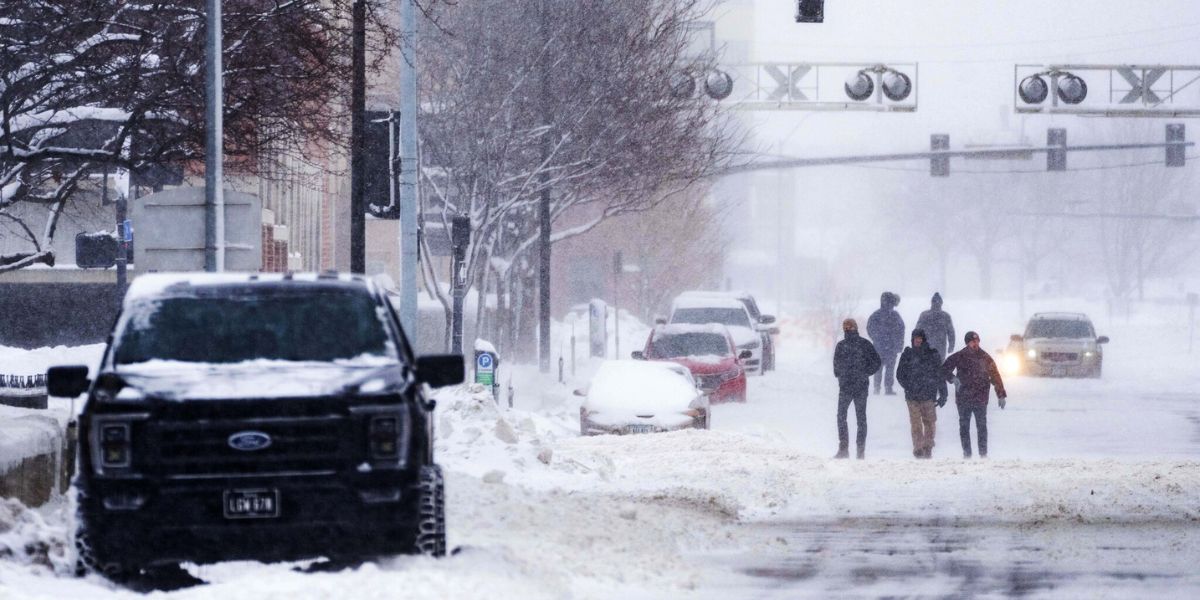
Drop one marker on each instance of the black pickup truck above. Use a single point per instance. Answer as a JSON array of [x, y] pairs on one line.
[[246, 417]]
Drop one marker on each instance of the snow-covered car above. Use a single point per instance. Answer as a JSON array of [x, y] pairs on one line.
[[707, 351], [634, 396], [255, 417], [731, 313], [765, 324], [1057, 345]]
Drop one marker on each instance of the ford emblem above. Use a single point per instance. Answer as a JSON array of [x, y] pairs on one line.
[[249, 441]]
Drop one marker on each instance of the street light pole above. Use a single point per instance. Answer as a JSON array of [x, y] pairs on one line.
[[358, 107], [409, 169], [544, 218], [214, 197]]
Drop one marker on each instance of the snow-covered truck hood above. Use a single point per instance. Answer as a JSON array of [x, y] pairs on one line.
[[172, 380]]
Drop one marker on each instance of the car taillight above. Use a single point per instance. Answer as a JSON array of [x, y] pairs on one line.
[[383, 437]]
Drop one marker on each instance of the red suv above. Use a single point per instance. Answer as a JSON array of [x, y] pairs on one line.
[[708, 351]]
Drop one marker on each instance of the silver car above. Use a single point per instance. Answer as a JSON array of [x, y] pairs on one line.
[[1058, 345]]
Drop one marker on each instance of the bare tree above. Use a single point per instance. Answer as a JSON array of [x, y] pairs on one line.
[[89, 85], [521, 96]]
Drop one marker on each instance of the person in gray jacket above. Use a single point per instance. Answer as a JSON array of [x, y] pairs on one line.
[[938, 325]]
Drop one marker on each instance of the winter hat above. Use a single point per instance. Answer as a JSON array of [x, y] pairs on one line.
[[971, 335], [937, 300], [849, 325], [919, 333]]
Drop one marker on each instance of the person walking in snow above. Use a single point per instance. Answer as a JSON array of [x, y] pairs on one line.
[[920, 374], [940, 327], [886, 330], [854, 362], [976, 373]]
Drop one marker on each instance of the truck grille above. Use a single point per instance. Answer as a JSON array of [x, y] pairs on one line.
[[196, 449]]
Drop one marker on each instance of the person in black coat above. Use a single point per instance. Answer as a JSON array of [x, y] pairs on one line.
[[854, 362], [886, 330], [920, 374], [977, 374], [939, 326]]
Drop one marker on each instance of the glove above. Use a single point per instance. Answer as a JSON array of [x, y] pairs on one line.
[[941, 401], [1002, 402]]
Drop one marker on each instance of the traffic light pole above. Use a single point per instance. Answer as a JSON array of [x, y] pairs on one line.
[[214, 197], [358, 102], [409, 170]]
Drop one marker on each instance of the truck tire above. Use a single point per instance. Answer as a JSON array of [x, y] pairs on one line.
[[430, 538], [88, 560]]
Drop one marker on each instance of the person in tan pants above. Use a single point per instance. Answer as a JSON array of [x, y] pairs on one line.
[[919, 372]]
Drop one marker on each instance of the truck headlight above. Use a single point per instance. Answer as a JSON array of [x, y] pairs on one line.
[[1032, 353], [1089, 354]]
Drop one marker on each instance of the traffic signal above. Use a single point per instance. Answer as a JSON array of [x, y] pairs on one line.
[[939, 166], [810, 11], [1056, 156], [1176, 155]]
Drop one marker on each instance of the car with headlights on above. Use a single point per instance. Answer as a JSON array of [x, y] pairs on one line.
[[635, 396], [708, 352], [1057, 345], [255, 417], [730, 312]]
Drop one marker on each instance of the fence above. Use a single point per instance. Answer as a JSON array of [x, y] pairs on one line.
[[23, 391]]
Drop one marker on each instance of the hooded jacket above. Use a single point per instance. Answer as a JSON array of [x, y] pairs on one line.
[[886, 327], [920, 371], [940, 327], [854, 362]]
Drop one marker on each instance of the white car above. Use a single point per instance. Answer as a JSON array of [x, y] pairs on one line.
[[633, 396], [730, 312], [764, 324], [1057, 345]]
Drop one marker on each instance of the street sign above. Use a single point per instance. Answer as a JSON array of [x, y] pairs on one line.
[[485, 368]]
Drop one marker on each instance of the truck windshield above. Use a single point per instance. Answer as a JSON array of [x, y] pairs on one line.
[[227, 329], [1046, 328], [689, 344], [699, 316]]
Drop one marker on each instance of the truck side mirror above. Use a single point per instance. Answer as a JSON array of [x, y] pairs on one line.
[[440, 370], [1102, 339], [66, 382]]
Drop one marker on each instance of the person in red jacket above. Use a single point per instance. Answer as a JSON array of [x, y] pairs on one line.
[[976, 373]]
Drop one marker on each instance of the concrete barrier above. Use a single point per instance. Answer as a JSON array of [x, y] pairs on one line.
[[37, 456]]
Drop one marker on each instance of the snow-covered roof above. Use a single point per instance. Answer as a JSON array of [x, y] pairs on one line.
[[707, 302], [153, 285], [1060, 316]]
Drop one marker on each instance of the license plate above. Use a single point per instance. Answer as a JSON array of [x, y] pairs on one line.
[[251, 504], [640, 429], [1058, 372]]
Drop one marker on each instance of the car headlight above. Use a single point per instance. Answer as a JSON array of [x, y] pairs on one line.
[[1032, 353], [1089, 354], [750, 346]]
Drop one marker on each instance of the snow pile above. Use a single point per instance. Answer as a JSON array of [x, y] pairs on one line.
[[27, 432], [27, 538], [753, 478]]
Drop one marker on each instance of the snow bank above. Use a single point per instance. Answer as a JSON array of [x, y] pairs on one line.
[[29, 539]]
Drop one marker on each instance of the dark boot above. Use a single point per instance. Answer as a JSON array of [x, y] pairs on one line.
[[842, 453], [862, 453]]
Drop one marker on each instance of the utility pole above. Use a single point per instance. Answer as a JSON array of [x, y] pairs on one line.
[[544, 216], [358, 108], [460, 237], [409, 169], [214, 196]]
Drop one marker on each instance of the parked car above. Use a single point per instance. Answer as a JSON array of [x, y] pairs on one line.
[[732, 313], [763, 323], [708, 352], [1057, 345], [251, 417], [628, 397]]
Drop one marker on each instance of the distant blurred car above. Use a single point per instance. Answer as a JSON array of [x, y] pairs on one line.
[[1056, 345], [634, 396], [730, 312], [708, 351], [764, 324]]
